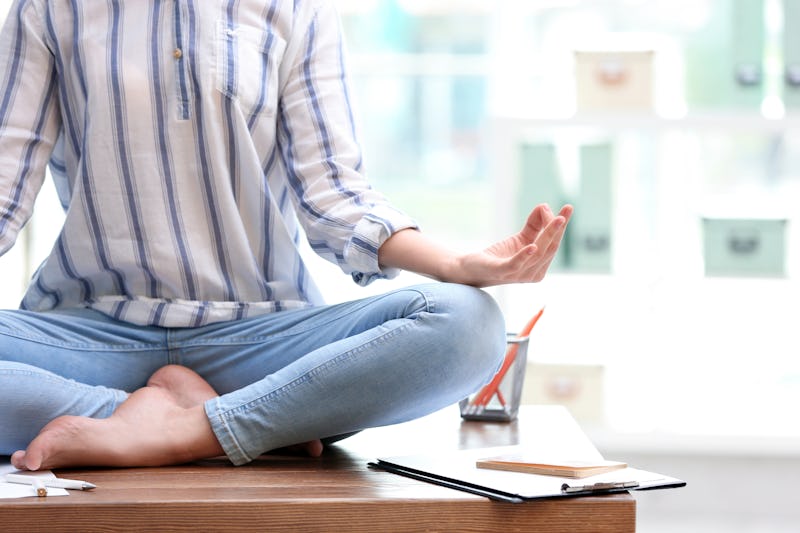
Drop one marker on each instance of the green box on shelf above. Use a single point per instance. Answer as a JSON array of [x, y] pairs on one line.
[[791, 54], [725, 58], [744, 246], [590, 241], [540, 182]]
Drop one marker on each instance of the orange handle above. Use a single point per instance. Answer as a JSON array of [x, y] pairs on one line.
[[486, 393]]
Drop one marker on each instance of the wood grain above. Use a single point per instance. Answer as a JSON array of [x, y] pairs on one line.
[[335, 492]]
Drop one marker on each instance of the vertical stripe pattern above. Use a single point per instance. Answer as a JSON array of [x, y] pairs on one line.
[[195, 145]]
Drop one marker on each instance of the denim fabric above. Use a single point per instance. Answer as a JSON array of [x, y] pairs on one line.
[[283, 378]]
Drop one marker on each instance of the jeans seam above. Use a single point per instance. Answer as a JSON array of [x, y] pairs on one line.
[[41, 375], [225, 435], [173, 352], [83, 346], [64, 382]]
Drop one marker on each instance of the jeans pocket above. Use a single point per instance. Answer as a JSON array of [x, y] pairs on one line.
[[247, 66]]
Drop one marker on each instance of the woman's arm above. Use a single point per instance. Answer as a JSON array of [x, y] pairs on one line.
[[29, 116], [523, 257]]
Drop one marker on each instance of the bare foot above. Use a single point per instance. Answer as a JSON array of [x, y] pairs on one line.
[[312, 448], [189, 389], [150, 428], [160, 424], [185, 385]]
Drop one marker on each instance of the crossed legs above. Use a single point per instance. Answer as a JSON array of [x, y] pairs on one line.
[[161, 423], [426, 355]]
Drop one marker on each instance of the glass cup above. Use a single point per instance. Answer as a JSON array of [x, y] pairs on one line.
[[499, 400]]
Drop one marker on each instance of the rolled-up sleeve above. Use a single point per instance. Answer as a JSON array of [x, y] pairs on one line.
[[361, 252], [345, 219]]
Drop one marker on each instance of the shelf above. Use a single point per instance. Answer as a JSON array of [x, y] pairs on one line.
[[721, 121], [617, 443]]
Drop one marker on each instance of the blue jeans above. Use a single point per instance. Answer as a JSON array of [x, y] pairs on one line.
[[283, 378]]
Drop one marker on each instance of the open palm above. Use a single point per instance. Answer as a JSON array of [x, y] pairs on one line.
[[522, 257]]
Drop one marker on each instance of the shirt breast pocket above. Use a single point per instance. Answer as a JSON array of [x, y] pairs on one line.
[[247, 65]]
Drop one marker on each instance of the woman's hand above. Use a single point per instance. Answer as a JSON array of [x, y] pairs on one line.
[[521, 258]]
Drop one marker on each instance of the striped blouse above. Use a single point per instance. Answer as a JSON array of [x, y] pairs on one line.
[[193, 143]]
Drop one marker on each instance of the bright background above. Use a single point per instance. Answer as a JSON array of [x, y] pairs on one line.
[[691, 374]]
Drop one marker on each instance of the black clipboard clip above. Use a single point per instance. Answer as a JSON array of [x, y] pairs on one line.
[[599, 487]]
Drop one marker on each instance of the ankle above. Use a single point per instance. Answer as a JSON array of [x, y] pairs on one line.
[[199, 440]]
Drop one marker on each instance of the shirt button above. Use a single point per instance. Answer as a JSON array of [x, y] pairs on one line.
[[177, 53]]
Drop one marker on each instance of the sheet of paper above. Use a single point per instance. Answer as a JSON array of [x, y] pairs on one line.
[[461, 466], [16, 490]]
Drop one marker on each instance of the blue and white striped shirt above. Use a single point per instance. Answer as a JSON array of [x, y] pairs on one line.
[[187, 139]]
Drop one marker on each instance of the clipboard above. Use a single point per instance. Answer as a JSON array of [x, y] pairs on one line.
[[458, 471]]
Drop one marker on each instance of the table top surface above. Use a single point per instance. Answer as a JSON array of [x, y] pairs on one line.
[[298, 492]]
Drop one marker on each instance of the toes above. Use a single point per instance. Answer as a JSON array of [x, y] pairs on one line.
[[18, 460], [30, 459], [314, 448]]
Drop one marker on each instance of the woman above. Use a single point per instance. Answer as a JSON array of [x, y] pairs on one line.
[[191, 144]]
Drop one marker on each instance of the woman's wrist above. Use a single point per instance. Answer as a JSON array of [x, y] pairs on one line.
[[410, 250]]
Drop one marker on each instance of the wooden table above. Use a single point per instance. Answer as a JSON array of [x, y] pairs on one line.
[[336, 492]]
